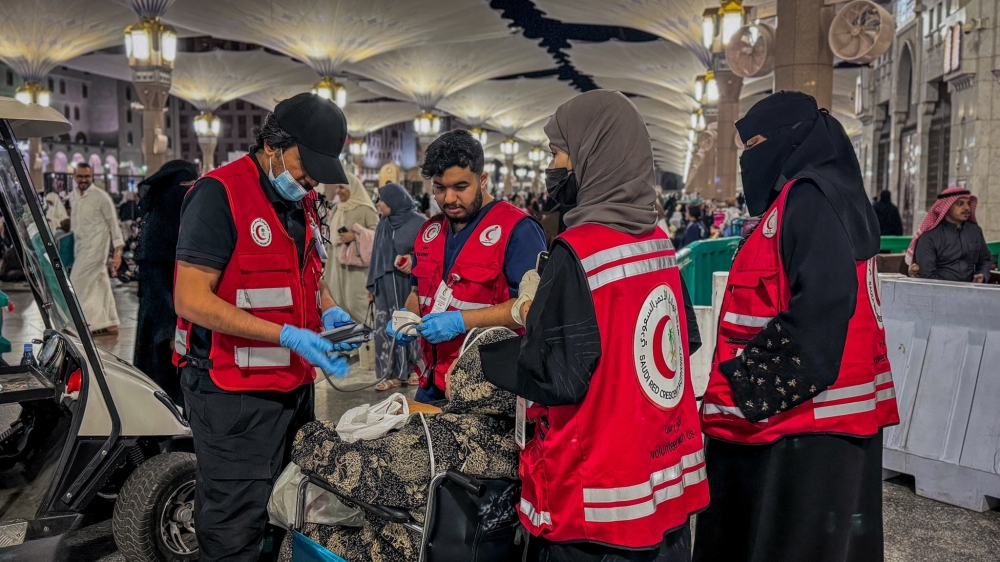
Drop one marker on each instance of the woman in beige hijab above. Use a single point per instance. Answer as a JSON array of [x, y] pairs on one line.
[[347, 282]]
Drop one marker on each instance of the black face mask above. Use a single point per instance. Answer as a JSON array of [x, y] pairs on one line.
[[761, 165], [560, 183]]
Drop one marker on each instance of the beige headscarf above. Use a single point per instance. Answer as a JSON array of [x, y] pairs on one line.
[[359, 197], [608, 144]]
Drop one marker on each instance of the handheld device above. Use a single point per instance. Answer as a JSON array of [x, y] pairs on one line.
[[351, 333], [342, 230], [403, 317], [543, 258]]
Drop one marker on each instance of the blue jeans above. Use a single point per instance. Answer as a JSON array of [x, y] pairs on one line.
[[430, 394]]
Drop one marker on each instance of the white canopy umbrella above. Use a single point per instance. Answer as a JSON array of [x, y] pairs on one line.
[[428, 73], [330, 34], [678, 21], [662, 63], [38, 35], [365, 118]]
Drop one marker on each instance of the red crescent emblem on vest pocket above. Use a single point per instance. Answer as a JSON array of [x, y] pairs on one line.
[[659, 350], [260, 231], [771, 224]]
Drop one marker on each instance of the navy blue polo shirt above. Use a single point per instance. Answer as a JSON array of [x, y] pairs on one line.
[[526, 241]]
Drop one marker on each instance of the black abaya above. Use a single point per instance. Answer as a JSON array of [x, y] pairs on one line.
[[804, 498]]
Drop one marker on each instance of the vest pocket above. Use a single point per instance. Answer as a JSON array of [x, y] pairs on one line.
[[265, 283]]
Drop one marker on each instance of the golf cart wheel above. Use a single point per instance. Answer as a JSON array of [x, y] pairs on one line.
[[154, 514]]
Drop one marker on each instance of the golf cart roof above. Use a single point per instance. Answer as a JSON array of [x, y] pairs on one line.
[[32, 120]]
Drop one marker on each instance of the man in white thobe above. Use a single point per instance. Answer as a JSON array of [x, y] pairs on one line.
[[94, 223]]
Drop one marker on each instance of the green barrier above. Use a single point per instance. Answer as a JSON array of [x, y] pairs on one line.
[[4, 342], [895, 244], [899, 244], [698, 261]]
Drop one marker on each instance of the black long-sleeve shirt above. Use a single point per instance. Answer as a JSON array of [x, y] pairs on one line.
[[797, 355], [561, 347], [951, 253]]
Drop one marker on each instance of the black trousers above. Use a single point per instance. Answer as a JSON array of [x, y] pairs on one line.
[[243, 441], [676, 547], [805, 498]]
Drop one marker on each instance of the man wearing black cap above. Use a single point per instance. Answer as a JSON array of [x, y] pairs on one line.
[[249, 302]]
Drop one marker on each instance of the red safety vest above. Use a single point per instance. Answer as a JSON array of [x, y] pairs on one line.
[[861, 401], [626, 465], [264, 279], [476, 278]]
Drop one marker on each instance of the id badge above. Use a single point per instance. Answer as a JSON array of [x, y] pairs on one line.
[[320, 247], [521, 422], [442, 299]]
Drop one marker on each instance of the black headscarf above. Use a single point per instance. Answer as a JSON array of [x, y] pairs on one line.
[[806, 142], [395, 233], [160, 198]]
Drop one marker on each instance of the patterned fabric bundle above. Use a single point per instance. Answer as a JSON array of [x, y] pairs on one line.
[[474, 434]]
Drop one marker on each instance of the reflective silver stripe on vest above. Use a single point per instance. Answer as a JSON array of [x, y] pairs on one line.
[[605, 257], [844, 409], [708, 409], [845, 392], [856, 390], [248, 357], [646, 508], [644, 490], [180, 341], [462, 305], [536, 517], [885, 394], [456, 304], [619, 272], [264, 298], [746, 320]]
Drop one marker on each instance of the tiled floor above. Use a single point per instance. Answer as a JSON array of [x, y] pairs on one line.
[[916, 529]]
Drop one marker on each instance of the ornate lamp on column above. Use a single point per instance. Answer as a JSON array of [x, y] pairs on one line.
[[151, 47], [719, 89], [207, 127], [358, 148], [536, 156], [509, 149], [329, 88], [33, 92]]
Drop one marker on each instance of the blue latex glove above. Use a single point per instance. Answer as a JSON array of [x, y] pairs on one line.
[[441, 327], [335, 317], [400, 338], [314, 349]]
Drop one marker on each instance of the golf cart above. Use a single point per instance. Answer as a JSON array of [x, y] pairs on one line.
[[82, 423]]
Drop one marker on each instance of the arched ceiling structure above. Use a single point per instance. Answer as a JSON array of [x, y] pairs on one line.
[[552, 94], [427, 73], [208, 79], [269, 97], [38, 35], [328, 35], [364, 118]]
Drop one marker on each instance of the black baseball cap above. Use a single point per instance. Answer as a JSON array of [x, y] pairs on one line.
[[320, 130]]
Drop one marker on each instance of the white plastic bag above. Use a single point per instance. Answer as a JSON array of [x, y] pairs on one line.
[[322, 507], [369, 422]]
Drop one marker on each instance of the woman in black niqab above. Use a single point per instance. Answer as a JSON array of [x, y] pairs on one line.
[[161, 196], [803, 141], [806, 496]]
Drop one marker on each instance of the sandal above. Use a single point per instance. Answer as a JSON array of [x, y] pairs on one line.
[[388, 385], [414, 379]]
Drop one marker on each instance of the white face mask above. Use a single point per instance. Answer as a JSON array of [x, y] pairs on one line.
[[285, 184]]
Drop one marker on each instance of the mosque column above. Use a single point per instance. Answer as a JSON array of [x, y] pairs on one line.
[[151, 47], [803, 60], [730, 85], [35, 164]]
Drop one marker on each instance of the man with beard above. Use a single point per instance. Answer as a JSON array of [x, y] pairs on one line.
[[800, 386], [469, 259]]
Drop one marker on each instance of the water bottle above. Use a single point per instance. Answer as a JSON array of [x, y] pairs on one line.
[[28, 358]]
